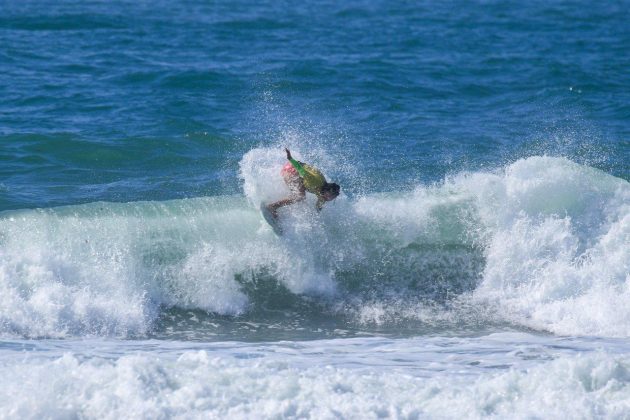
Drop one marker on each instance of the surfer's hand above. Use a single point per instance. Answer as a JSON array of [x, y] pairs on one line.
[[288, 153]]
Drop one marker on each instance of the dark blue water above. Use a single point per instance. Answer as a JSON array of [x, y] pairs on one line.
[[126, 101]]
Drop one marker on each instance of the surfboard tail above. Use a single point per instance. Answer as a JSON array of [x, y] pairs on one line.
[[270, 219]]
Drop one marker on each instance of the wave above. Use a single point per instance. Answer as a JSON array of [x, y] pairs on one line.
[[542, 243]]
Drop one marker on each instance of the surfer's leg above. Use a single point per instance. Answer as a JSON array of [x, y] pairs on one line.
[[296, 186]]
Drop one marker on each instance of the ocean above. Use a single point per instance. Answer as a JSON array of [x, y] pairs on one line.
[[475, 265]]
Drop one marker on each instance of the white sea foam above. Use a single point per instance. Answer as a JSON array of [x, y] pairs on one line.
[[106, 269], [558, 256], [555, 238], [361, 378]]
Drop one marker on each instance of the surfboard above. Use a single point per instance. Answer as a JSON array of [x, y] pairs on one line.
[[271, 221]]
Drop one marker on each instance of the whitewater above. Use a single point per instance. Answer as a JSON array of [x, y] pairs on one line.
[[486, 294]]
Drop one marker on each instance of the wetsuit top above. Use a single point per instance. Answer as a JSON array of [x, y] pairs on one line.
[[313, 179]]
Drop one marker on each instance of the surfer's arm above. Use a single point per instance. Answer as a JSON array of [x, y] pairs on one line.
[[297, 165], [286, 202]]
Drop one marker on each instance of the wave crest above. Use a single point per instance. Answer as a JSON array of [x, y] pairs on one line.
[[543, 241]]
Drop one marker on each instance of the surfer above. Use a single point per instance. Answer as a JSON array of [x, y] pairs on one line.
[[301, 177]]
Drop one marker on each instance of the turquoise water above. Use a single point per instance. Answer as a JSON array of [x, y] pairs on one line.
[[475, 264]]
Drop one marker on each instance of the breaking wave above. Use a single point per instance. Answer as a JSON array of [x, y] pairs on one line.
[[543, 242]]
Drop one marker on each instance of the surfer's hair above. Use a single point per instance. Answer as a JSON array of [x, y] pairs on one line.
[[331, 187]]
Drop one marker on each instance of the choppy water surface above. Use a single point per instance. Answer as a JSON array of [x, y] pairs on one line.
[[477, 262]]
